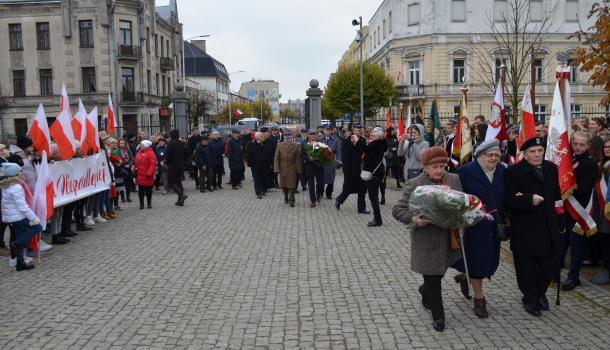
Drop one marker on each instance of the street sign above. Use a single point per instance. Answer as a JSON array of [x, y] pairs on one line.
[[347, 117]]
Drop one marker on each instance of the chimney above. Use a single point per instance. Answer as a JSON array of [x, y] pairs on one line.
[[199, 43]]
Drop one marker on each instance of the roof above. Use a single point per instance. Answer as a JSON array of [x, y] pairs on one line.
[[198, 63], [165, 11], [28, 1]]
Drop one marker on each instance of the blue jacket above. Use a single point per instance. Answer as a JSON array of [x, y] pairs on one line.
[[216, 151], [482, 248]]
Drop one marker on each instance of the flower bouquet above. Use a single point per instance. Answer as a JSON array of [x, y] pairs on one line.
[[320, 153], [447, 208]]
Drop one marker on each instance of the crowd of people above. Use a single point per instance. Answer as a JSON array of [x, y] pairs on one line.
[[524, 197]]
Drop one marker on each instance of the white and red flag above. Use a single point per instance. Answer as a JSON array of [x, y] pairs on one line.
[[43, 193], [238, 113], [91, 140], [527, 127], [61, 130], [497, 121], [39, 132], [111, 119], [78, 122]]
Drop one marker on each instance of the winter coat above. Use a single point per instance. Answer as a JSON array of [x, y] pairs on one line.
[[331, 170], [14, 205], [352, 165], [258, 160], [535, 229], [145, 165], [216, 151], [235, 152], [310, 169], [161, 153], [482, 247], [288, 164], [29, 172], [392, 158], [202, 156], [412, 151], [431, 252], [177, 155], [373, 156]]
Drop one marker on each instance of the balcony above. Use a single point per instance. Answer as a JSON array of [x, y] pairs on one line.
[[129, 52], [166, 63], [128, 96], [411, 90]]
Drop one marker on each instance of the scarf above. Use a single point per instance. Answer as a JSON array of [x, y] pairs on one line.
[[29, 198]]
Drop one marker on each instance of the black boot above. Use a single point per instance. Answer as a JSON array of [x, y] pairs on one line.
[[462, 280], [59, 240], [480, 308], [382, 201], [23, 267]]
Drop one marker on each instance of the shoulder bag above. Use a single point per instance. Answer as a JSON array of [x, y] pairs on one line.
[[367, 175]]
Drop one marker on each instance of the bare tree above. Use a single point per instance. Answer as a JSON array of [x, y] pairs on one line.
[[516, 39], [202, 103]]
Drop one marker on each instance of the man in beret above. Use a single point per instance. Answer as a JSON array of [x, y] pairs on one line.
[[235, 154], [533, 198], [313, 172]]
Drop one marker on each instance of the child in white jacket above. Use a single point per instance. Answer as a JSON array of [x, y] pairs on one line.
[[16, 210]]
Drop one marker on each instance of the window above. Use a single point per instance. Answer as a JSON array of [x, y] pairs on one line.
[[459, 70], [390, 22], [500, 10], [86, 33], [18, 83], [16, 37], [378, 35], [540, 112], [21, 126], [125, 33], [413, 14], [148, 39], [46, 82], [157, 91], [573, 70], [414, 72], [148, 82], [43, 37], [458, 11], [156, 46], [575, 109], [162, 50], [536, 10], [538, 67], [571, 10], [167, 48], [384, 29], [127, 83], [89, 82], [499, 63], [169, 85], [163, 85]]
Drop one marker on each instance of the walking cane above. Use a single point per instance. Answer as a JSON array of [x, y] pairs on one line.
[[461, 231]]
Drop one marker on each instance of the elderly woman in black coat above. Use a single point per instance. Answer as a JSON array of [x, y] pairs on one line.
[[373, 162]]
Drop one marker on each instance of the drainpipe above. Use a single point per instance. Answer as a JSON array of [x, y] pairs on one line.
[[140, 63], [113, 64]]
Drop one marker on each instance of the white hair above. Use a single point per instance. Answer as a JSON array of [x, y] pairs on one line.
[[258, 134], [377, 133]]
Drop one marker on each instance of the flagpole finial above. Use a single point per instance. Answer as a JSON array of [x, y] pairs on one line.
[[464, 88], [401, 106]]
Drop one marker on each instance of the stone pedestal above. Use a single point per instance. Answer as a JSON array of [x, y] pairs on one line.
[[313, 105], [181, 119]]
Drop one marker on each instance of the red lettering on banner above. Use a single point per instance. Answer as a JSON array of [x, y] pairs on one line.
[[67, 185]]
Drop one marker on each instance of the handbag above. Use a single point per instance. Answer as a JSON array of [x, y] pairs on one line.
[[503, 229], [367, 175]]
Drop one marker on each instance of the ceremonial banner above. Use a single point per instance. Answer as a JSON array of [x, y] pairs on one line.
[[497, 121], [78, 178]]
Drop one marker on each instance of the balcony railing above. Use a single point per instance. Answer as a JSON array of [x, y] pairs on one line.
[[130, 52], [128, 96], [412, 90], [166, 63]]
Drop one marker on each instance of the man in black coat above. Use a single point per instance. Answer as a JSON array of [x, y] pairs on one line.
[[269, 149], [313, 173], [259, 162], [177, 156], [274, 138], [586, 171], [203, 163], [533, 198], [235, 153], [217, 149], [352, 165], [193, 141]]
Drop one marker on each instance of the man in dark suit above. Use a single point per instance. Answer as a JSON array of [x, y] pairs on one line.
[[177, 156], [533, 198], [314, 173], [235, 153]]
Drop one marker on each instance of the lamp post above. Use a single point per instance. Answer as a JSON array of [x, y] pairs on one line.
[[230, 74], [183, 54], [360, 41]]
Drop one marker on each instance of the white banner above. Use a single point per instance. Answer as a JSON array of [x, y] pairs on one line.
[[79, 178]]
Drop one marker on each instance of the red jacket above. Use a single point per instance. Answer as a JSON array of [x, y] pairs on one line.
[[146, 165]]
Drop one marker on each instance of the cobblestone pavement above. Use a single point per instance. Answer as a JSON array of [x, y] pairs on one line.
[[230, 271]]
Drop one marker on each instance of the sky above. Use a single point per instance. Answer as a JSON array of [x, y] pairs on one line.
[[289, 41]]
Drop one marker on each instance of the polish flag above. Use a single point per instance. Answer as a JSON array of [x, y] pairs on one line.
[[91, 140], [558, 146], [409, 121], [388, 122], [497, 121], [238, 113], [527, 128], [43, 192], [401, 126], [78, 122], [39, 132], [61, 130], [111, 120]]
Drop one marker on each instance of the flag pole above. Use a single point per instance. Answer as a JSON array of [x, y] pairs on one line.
[[533, 79]]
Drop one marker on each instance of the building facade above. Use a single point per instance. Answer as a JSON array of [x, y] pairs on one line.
[[432, 48], [128, 49], [297, 107], [267, 90]]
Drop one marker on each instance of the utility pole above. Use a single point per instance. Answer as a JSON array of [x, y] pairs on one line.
[[361, 35]]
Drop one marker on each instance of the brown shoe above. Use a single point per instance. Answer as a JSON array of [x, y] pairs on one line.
[[462, 280], [480, 308], [312, 205]]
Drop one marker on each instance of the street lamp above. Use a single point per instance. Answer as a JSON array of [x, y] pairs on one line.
[[183, 54], [230, 74], [360, 40]]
